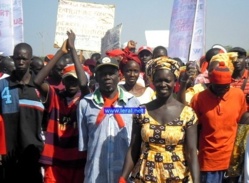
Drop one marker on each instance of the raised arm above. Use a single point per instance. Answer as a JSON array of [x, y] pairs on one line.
[[78, 66], [190, 72], [44, 72]]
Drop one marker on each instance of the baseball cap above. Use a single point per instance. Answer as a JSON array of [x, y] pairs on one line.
[[239, 50], [144, 48], [105, 61], [69, 70]]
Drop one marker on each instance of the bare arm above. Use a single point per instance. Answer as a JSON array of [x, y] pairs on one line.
[[133, 152], [190, 72], [39, 79], [182, 90], [79, 70], [191, 137]]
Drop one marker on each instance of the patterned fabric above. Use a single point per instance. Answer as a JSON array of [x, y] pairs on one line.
[[237, 158], [61, 142], [191, 91], [227, 58], [162, 158], [162, 63]]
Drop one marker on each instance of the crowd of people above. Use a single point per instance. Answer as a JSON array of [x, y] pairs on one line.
[[54, 126]]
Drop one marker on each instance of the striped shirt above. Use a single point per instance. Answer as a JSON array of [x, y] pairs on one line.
[[61, 136]]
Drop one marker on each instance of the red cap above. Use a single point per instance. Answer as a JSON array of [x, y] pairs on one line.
[[69, 70], [49, 56], [145, 48], [221, 75]]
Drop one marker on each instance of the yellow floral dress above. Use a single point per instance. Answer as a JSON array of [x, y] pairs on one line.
[[162, 156]]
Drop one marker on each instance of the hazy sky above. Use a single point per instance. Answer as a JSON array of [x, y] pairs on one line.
[[227, 21]]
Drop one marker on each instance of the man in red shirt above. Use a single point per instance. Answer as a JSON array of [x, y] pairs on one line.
[[240, 73]]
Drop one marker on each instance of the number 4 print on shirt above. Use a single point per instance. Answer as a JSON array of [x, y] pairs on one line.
[[6, 95]]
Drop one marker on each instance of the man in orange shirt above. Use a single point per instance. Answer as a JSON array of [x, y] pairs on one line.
[[219, 109]]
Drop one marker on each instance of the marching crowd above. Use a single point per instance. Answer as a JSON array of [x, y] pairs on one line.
[[54, 127]]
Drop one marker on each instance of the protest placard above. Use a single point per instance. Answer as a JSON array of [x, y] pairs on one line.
[[181, 28], [89, 21], [111, 40], [11, 25], [197, 48]]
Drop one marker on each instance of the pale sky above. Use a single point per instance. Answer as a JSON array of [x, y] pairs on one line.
[[227, 21]]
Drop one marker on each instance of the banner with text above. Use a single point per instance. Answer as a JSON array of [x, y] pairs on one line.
[[111, 40], [197, 48], [89, 21], [11, 25], [181, 28]]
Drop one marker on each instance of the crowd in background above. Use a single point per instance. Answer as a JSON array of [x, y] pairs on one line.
[[54, 126]]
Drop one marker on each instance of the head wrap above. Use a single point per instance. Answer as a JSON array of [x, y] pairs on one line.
[[221, 75], [125, 55], [162, 63], [227, 58]]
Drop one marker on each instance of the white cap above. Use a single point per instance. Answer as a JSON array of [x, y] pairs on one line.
[[220, 47]]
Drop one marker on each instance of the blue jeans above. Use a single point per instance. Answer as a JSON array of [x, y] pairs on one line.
[[212, 177]]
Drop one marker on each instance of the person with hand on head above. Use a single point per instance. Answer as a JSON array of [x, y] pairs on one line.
[[166, 133], [55, 76], [218, 122], [22, 111], [60, 157], [105, 134]]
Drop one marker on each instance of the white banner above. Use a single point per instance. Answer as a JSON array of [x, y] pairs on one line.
[[89, 21], [156, 38], [111, 40], [197, 48], [11, 25], [181, 28]]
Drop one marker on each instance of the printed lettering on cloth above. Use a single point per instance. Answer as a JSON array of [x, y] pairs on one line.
[[181, 28], [197, 48], [11, 29]]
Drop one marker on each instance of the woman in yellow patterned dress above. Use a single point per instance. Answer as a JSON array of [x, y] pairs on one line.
[[166, 133]]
